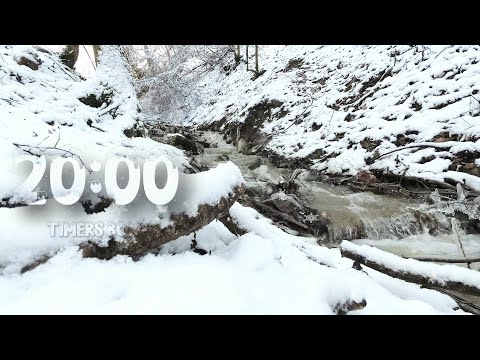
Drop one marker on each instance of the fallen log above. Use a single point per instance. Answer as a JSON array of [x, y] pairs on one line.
[[137, 241], [445, 260], [462, 303], [448, 277]]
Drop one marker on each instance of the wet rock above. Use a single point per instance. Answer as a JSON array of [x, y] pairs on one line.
[[182, 142], [242, 146], [223, 157], [426, 222], [308, 175], [254, 162]]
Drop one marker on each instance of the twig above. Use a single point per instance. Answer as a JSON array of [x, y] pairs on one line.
[[84, 48], [42, 149], [403, 174], [422, 146], [445, 48], [58, 140], [298, 116], [457, 237], [475, 98], [70, 76], [27, 151]]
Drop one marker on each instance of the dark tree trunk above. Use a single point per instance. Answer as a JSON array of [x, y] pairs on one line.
[[237, 54], [96, 49], [256, 59], [69, 55]]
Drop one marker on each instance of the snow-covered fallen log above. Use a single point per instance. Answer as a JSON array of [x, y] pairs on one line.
[[200, 199], [449, 277], [448, 260]]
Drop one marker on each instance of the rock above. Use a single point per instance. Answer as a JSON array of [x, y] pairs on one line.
[[242, 146], [366, 177], [223, 157], [100, 205], [307, 175], [254, 162], [32, 64], [343, 307], [138, 130], [182, 142], [369, 144], [471, 169]]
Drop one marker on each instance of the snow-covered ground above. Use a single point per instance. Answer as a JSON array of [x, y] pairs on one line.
[[354, 103], [265, 271]]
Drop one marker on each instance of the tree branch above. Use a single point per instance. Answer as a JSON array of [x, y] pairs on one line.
[[407, 274]]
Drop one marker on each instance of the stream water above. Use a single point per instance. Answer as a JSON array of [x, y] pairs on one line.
[[387, 222]]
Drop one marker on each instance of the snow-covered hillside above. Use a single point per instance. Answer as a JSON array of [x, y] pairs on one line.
[[47, 109], [339, 109]]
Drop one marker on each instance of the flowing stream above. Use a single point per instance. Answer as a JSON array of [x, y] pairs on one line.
[[395, 224]]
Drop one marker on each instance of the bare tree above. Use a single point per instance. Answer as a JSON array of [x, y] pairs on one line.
[[174, 71], [69, 55], [256, 59], [96, 49], [237, 54]]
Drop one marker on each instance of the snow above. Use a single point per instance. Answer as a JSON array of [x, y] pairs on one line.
[[265, 271], [210, 186], [362, 92]]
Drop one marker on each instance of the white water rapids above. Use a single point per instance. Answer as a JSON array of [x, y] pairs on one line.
[[386, 222]]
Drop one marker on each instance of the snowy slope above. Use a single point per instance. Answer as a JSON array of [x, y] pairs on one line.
[[263, 271], [343, 106], [41, 112]]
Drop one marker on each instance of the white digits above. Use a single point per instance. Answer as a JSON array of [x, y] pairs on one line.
[[39, 166], [62, 195], [122, 196], [155, 195]]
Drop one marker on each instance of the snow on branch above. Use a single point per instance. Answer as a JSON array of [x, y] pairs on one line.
[[449, 277]]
